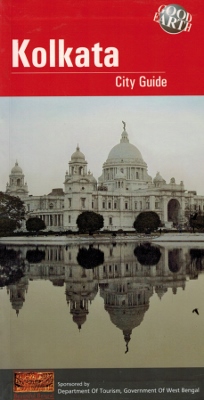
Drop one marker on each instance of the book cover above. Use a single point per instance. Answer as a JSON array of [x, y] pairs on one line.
[[101, 200]]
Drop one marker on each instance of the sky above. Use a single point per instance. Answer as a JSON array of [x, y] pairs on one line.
[[41, 133]]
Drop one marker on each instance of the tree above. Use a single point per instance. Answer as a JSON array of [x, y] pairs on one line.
[[35, 224], [9, 257], [12, 207], [7, 226], [89, 221], [35, 256], [197, 257], [12, 266], [147, 221], [147, 255], [90, 258], [196, 221]]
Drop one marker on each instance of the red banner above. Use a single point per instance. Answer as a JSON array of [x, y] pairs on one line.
[[97, 48]]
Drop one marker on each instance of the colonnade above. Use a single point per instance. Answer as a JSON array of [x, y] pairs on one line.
[[52, 219]]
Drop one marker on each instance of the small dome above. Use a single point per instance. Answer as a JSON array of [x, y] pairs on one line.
[[77, 155], [16, 169], [160, 291], [92, 179], [158, 178], [79, 319], [125, 150]]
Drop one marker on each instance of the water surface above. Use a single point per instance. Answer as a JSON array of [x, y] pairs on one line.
[[124, 305]]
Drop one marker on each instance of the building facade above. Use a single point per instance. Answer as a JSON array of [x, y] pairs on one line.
[[122, 192]]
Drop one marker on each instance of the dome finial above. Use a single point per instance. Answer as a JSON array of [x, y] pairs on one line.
[[124, 138], [127, 338]]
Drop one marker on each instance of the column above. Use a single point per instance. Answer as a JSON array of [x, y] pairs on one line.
[[152, 203], [47, 220], [165, 209]]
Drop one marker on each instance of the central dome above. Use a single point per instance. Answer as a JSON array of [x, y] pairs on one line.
[[125, 168], [124, 150]]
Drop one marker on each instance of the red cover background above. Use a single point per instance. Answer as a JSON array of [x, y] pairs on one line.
[[126, 24]]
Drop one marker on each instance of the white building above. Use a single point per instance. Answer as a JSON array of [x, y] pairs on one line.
[[123, 190]]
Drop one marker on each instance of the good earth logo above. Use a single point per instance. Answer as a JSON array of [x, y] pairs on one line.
[[173, 18]]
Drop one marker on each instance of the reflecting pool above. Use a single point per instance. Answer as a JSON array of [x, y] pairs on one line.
[[126, 305]]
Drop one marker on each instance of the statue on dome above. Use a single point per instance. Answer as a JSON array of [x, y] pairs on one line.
[[124, 125]]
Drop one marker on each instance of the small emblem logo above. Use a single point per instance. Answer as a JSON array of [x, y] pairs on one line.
[[173, 19], [33, 381]]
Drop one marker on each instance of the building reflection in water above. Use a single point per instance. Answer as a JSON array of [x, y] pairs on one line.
[[127, 277]]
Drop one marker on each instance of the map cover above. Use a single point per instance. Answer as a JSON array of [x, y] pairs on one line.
[[101, 200]]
